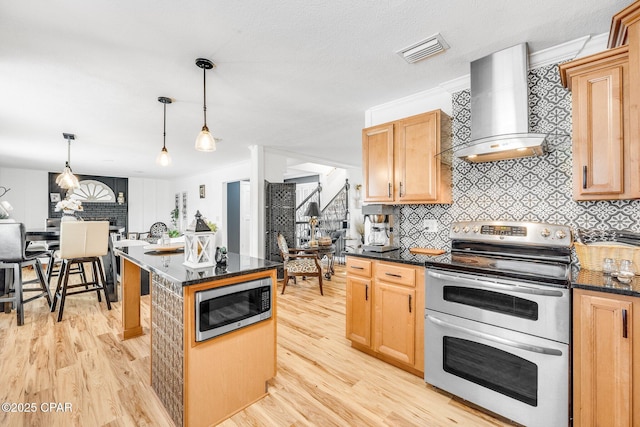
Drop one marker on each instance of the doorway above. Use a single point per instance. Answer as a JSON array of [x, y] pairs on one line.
[[239, 217]]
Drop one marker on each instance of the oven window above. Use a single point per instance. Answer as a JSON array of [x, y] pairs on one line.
[[492, 301], [226, 309], [492, 368]]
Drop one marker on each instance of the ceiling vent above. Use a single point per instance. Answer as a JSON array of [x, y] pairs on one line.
[[423, 49]]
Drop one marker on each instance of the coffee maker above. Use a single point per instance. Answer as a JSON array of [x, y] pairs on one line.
[[378, 228]]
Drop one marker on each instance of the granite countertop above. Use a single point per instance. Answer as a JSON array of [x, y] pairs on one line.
[[401, 256], [581, 278], [597, 281], [169, 265]]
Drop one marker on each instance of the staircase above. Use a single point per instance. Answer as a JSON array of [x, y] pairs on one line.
[[333, 221]]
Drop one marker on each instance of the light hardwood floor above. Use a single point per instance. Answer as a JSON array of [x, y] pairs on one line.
[[321, 380]]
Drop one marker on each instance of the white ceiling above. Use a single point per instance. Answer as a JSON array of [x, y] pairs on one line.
[[296, 76]]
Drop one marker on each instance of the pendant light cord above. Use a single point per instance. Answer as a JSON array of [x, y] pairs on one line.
[[204, 107], [68, 153], [164, 128]]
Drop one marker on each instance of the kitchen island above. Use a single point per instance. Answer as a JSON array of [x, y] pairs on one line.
[[199, 382]]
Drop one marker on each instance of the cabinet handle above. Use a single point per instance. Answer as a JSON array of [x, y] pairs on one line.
[[389, 189], [624, 323], [401, 193], [357, 268], [394, 275], [409, 303], [584, 177], [366, 292]]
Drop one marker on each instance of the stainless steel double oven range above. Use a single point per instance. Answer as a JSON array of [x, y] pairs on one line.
[[497, 319]]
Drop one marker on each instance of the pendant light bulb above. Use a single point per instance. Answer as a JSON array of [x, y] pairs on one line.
[[67, 180], [163, 158], [205, 141]]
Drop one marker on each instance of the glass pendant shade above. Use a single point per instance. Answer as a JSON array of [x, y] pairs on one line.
[[67, 180], [163, 158], [205, 141]]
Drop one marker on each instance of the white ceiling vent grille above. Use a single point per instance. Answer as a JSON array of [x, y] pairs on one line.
[[423, 49]]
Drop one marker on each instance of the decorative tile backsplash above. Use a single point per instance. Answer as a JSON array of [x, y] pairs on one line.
[[529, 189]]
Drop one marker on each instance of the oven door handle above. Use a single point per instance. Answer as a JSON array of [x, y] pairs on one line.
[[497, 286], [511, 343]]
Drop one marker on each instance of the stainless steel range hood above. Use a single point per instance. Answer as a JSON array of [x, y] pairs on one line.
[[500, 109]]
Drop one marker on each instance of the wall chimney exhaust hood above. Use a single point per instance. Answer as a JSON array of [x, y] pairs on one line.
[[500, 109]]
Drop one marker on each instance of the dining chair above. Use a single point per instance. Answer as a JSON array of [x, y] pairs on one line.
[[298, 264], [82, 242], [156, 230], [13, 256]]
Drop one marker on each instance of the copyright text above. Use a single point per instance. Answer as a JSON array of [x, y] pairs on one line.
[[37, 407]]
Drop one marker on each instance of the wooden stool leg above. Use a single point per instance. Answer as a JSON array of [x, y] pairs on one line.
[[17, 280], [94, 277], [320, 282], [104, 284], [63, 293], [44, 283], [58, 286]]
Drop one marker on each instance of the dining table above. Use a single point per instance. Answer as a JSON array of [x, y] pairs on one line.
[[321, 251]]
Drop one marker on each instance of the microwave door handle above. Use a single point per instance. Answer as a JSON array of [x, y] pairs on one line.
[[496, 286], [511, 343]]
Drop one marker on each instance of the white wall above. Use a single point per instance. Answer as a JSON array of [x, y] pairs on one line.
[[29, 195], [150, 201], [214, 205]]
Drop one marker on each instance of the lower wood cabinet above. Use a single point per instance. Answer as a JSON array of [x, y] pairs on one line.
[[606, 347], [359, 310], [384, 311], [395, 322]]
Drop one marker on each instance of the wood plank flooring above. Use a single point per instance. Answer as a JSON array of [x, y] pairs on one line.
[[321, 380]]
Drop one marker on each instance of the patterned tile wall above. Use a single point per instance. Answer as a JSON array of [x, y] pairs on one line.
[[529, 189], [167, 330]]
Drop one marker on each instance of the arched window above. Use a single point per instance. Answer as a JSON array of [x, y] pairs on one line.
[[93, 191]]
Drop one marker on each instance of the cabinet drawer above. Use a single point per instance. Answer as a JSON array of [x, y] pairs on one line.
[[359, 267], [393, 273]]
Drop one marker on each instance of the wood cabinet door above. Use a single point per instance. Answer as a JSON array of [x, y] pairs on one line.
[[417, 167], [358, 310], [394, 321], [598, 132], [602, 348], [377, 163]]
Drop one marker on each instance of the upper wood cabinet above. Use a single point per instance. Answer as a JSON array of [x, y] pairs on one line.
[[402, 161], [606, 162], [605, 349]]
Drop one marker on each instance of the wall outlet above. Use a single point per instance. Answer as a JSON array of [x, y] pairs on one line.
[[430, 225]]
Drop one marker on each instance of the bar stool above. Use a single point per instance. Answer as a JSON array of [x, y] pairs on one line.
[[80, 242], [12, 255]]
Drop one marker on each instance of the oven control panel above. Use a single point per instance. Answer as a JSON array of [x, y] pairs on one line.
[[532, 233], [504, 230]]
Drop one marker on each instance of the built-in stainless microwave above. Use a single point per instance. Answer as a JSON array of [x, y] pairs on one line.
[[227, 308]]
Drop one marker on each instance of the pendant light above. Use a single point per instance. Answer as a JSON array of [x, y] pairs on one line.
[[205, 141], [67, 180], [163, 158]]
